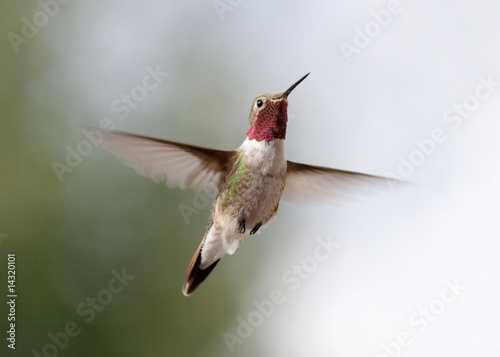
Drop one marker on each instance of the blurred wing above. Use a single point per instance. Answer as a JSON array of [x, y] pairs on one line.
[[178, 164], [306, 181]]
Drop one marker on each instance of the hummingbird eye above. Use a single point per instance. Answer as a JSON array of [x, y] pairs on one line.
[[259, 103]]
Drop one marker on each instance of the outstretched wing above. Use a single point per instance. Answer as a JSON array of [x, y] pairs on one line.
[[307, 181], [178, 164]]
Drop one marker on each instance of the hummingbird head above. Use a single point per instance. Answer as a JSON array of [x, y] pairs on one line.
[[268, 115]]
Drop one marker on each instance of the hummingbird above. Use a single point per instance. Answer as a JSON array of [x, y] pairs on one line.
[[250, 180]]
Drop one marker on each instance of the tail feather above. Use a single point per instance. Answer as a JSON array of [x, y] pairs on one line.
[[194, 274]]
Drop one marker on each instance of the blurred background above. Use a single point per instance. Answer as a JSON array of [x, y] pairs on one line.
[[399, 88]]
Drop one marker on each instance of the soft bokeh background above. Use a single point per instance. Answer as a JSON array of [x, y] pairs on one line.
[[396, 251]]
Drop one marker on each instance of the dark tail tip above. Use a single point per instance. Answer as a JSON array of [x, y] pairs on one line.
[[194, 275]]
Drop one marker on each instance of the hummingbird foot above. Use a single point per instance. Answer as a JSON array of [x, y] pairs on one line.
[[256, 228], [241, 229]]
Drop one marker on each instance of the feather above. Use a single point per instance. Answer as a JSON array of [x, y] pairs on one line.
[[307, 181], [179, 165]]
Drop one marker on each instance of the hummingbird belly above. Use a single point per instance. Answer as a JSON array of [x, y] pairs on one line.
[[254, 190], [232, 223], [248, 200], [257, 203]]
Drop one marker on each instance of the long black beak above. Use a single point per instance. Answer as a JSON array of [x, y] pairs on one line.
[[289, 90]]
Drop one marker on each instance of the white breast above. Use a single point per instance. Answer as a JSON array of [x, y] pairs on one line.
[[269, 155]]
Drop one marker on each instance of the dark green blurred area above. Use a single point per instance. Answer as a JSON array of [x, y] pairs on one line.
[[69, 236]]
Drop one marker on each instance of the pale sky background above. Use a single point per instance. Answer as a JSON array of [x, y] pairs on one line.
[[396, 249]]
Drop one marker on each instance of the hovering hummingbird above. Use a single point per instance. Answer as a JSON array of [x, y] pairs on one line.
[[250, 180]]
